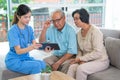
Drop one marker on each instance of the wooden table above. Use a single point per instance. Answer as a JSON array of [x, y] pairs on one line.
[[40, 76], [55, 75]]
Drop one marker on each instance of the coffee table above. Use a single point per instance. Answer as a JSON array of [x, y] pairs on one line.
[[54, 75], [57, 75], [40, 76]]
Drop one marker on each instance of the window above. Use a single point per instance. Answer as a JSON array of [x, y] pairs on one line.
[[41, 10]]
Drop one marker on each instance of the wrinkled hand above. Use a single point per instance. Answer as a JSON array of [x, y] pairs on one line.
[[76, 60], [47, 24], [81, 62], [72, 61], [55, 66], [48, 49]]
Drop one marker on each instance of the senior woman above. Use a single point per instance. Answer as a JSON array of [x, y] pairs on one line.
[[91, 55]]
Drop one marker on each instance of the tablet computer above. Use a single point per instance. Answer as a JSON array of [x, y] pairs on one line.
[[54, 46]]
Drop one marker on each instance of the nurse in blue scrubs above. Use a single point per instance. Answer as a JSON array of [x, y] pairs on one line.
[[21, 41]]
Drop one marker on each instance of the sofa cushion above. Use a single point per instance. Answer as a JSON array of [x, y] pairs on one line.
[[113, 49], [7, 74], [111, 73]]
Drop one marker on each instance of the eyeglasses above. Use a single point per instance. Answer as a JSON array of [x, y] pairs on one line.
[[57, 20]]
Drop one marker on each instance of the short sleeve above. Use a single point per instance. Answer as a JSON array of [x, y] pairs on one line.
[[13, 38], [72, 48], [31, 33], [48, 33]]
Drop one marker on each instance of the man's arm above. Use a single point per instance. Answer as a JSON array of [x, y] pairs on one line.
[[56, 65], [42, 37], [64, 58]]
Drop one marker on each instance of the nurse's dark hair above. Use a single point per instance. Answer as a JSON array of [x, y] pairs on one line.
[[84, 15], [21, 10]]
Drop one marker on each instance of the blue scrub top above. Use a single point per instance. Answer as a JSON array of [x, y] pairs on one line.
[[66, 39], [22, 37]]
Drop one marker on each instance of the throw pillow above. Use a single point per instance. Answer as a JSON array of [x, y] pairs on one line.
[[113, 49]]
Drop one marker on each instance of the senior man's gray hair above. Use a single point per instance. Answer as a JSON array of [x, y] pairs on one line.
[[58, 11]]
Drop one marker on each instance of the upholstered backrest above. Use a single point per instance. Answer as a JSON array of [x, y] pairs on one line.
[[112, 44], [110, 33]]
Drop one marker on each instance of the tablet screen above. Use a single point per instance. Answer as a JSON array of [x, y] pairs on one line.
[[54, 46]]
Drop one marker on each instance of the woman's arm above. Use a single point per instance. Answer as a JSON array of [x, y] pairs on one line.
[[20, 50]]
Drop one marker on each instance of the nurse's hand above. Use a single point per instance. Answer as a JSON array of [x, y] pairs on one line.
[[36, 46]]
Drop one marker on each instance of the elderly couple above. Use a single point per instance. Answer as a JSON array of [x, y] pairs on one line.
[[80, 54]]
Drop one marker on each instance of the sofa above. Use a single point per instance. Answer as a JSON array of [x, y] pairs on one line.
[[112, 44]]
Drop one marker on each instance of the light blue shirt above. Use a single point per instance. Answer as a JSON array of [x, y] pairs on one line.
[[66, 39]]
